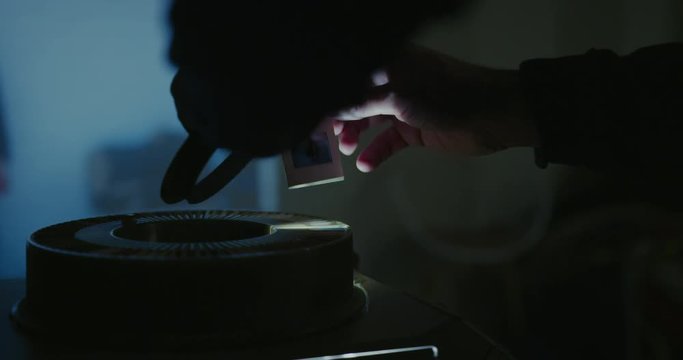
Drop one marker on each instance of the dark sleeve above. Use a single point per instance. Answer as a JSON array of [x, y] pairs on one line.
[[607, 112]]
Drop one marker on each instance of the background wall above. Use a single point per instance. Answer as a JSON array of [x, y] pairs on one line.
[[88, 111]]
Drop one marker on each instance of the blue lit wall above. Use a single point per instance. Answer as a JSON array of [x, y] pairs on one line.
[[75, 75]]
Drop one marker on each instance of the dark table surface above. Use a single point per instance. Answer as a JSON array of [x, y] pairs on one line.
[[392, 318]]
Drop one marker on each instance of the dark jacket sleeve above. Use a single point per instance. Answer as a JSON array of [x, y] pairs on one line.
[[607, 112]]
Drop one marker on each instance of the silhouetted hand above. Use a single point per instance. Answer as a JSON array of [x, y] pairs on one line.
[[432, 100]]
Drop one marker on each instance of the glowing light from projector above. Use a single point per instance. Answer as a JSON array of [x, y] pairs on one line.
[[319, 182], [434, 350], [315, 225]]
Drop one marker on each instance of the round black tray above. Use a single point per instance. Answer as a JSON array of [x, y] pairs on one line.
[[189, 277]]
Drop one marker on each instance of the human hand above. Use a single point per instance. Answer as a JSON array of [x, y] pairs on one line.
[[431, 100]]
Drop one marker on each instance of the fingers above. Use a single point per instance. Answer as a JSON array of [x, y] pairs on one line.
[[379, 106], [348, 132], [349, 135], [351, 122], [385, 145]]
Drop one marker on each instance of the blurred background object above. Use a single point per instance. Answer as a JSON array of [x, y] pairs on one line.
[[557, 263], [4, 148]]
